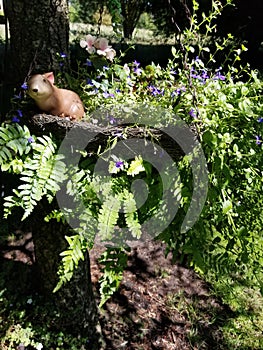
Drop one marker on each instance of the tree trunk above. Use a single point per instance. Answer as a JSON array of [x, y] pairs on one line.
[[75, 301], [39, 32], [131, 11]]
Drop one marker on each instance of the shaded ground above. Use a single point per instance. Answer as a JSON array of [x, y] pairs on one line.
[[160, 305]]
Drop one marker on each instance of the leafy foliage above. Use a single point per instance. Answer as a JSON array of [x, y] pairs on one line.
[[114, 261], [131, 215], [223, 105], [70, 259], [42, 172], [15, 144], [108, 217]]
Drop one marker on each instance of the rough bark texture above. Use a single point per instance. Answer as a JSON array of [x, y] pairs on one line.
[[98, 134], [75, 301], [39, 30]]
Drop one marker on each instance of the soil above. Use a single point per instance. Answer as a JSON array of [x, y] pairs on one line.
[[159, 305]]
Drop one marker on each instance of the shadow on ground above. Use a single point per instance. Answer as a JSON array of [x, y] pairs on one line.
[[160, 305]]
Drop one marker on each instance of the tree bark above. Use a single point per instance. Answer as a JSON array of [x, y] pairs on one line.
[[131, 11], [75, 302], [39, 32]]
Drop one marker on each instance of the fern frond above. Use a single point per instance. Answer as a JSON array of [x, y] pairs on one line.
[[114, 261], [14, 143], [131, 215], [41, 176], [71, 259], [88, 226], [108, 216]]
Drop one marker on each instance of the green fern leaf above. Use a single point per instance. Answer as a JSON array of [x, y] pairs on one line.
[[70, 259], [114, 261], [131, 215], [13, 143], [41, 176], [108, 216]]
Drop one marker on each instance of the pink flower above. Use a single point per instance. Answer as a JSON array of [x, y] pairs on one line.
[[104, 49], [110, 54], [88, 43], [100, 44]]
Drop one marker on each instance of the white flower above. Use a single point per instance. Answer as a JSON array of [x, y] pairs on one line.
[[126, 69], [39, 346], [110, 54]]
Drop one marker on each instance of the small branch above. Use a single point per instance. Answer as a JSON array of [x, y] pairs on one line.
[[59, 127]]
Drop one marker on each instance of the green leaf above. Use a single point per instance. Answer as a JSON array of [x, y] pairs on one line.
[[227, 206], [108, 216], [136, 166], [174, 52]]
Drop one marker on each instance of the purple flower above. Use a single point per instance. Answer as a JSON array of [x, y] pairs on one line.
[[258, 140], [88, 63], [15, 119], [204, 75], [119, 164], [155, 91], [260, 120], [118, 134], [178, 91], [89, 82], [135, 63], [19, 96], [19, 112], [107, 94], [137, 70], [173, 72], [30, 139], [112, 120], [193, 74], [196, 76], [218, 75], [24, 86], [192, 113], [106, 68], [63, 55]]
